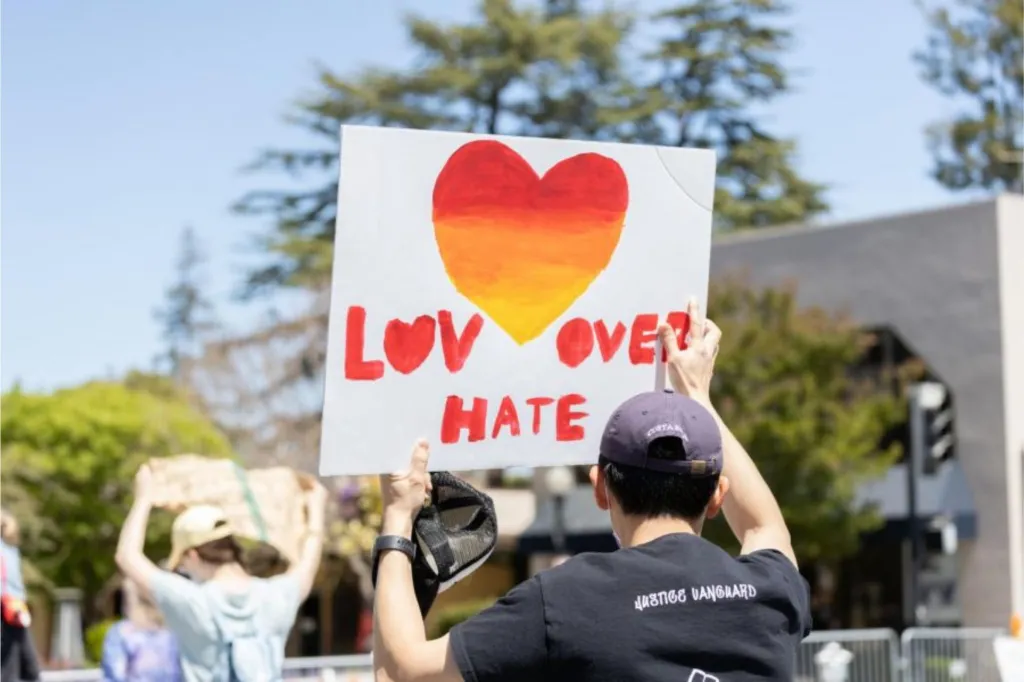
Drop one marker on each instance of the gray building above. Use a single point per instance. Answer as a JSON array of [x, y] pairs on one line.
[[950, 283]]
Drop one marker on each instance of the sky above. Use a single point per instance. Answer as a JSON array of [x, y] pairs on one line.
[[123, 122]]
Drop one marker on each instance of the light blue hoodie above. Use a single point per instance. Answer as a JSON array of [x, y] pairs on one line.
[[205, 619]]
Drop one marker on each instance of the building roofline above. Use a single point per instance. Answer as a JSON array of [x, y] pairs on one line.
[[802, 229]]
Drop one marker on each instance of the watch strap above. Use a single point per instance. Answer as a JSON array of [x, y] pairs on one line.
[[386, 543]]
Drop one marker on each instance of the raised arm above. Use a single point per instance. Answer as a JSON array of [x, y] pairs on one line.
[[750, 508], [129, 556], [310, 553]]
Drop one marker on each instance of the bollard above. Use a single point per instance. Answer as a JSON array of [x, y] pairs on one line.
[[833, 663]]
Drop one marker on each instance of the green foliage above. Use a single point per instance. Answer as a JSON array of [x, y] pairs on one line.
[[94, 636], [720, 57], [783, 384], [975, 55], [449, 617], [557, 71], [69, 460]]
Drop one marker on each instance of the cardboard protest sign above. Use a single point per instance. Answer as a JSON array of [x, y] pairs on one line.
[[268, 505], [499, 295]]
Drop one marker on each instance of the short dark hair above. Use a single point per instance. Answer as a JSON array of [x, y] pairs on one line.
[[220, 552], [651, 494]]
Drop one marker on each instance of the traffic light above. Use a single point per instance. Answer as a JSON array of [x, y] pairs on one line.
[[938, 427]]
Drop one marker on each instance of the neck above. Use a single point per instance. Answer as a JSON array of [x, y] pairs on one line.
[[640, 531], [228, 572]]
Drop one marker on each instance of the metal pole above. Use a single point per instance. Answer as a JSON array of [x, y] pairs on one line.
[[914, 470], [558, 524]]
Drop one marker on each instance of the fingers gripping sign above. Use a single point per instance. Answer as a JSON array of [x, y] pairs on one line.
[[690, 368], [404, 492]]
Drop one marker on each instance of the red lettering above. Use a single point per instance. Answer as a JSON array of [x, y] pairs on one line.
[[357, 368], [609, 343], [456, 418], [457, 347], [680, 323], [507, 416], [575, 342], [406, 345], [536, 404], [565, 429], [641, 339]]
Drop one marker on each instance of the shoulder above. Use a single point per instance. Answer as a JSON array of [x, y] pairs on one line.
[[780, 584], [580, 567], [770, 564], [284, 587], [178, 596], [769, 569], [169, 584]]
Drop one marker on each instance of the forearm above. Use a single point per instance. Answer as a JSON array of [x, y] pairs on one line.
[[311, 551], [130, 556], [750, 506], [398, 626], [133, 533]]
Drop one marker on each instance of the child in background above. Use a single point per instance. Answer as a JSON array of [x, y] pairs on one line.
[[18, 659], [139, 648]]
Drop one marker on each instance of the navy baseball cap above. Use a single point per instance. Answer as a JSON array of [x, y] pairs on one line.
[[646, 417]]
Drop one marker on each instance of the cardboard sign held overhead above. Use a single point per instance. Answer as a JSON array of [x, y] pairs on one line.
[[499, 295]]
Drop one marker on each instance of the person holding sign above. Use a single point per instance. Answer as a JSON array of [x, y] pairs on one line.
[[668, 605], [231, 627]]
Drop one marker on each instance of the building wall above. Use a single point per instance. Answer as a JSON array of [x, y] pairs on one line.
[[934, 277], [1011, 274]]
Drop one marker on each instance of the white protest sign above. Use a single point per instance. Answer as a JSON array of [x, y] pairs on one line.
[[499, 295]]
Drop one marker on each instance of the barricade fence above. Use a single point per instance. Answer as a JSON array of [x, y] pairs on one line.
[[861, 655], [919, 655], [950, 654]]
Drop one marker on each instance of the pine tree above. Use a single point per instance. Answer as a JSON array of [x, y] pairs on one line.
[[975, 55], [721, 59], [554, 70], [509, 71]]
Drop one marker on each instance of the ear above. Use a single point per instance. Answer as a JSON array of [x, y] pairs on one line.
[[600, 489], [715, 505]]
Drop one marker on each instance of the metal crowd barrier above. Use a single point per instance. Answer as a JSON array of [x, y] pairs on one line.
[[329, 669], [317, 669], [920, 655], [950, 654], [864, 655]]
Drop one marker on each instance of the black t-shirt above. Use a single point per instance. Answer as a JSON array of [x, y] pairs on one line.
[[678, 609]]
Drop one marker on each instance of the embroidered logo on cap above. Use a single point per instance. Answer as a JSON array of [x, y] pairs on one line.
[[667, 430]]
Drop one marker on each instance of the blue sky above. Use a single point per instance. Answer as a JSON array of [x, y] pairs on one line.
[[122, 122]]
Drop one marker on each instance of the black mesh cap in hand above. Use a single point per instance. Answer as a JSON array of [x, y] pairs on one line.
[[455, 534]]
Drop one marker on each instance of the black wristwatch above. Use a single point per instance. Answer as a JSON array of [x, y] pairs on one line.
[[386, 543]]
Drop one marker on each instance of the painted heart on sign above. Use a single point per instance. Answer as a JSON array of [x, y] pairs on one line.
[[522, 247], [406, 345]]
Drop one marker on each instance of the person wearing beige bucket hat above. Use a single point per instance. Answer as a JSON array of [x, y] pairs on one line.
[[231, 627]]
